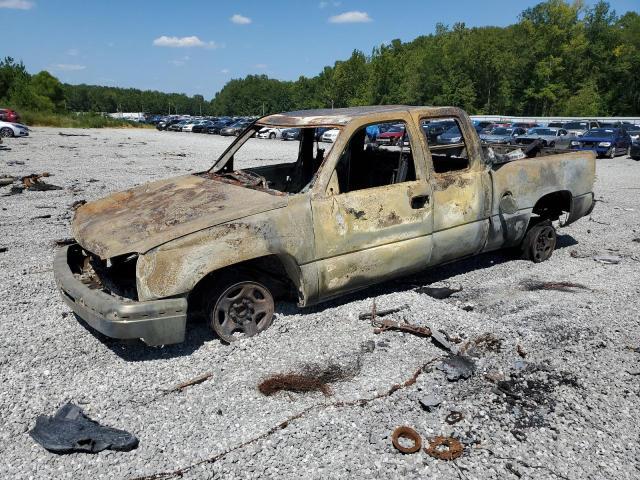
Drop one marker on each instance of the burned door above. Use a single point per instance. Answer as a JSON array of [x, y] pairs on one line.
[[461, 190], [374, 220]]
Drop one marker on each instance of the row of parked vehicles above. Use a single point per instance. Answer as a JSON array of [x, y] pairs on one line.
[[606, 139]]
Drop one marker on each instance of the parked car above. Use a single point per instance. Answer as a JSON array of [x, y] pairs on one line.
[[525, 125], [236, 128], [219, 125], [291, 134], [634, 150], [177, 126], [330, 135], [393, 136], [435, 128], [203, 126], [550, 137], [580, 127], [633, 131], [10, 129], [188, 127], [504, 135], [271, 133], [230, 241], [607, 142], [451, 136], [8, 115], [556, 124]]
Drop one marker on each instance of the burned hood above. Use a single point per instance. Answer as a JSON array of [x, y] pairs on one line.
[[144, 217]]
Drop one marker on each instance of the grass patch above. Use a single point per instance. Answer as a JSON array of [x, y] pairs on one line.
[[72, 120]]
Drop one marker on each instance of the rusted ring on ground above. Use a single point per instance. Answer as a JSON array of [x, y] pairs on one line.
[[454, 417], [410, 434], [444, 448]]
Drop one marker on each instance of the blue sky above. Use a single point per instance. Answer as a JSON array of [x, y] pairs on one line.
[[196, 46]]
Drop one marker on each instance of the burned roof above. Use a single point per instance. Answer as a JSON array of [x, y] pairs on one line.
[[327, 116]]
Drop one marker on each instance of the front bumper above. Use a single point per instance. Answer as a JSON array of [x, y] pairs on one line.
[[598, 150], [157, 322]]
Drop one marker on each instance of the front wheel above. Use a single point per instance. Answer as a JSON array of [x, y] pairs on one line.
[[539, 242], [240, 307], [6, 132], [612, 152]]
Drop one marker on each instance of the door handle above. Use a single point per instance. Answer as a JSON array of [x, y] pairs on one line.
[[419, 201]]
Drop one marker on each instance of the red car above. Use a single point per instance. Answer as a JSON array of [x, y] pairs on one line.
[[393, 136], [7, 115]]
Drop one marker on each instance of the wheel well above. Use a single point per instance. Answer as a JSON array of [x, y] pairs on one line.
[[270, 270], [552, 205]]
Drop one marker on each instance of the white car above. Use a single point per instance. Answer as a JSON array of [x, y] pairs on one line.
[[8, 129], [271, 133], [330, 135], [189, 126]]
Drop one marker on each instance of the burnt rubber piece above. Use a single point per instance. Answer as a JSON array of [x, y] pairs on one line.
[[444, 448], [410, 434]]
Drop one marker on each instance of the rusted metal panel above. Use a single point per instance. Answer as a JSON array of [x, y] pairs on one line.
[[144, 217]]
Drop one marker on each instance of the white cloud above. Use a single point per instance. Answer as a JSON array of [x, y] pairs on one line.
[[225, 71], [17, 4], [351, 17], [68, 67], [240, 19], [182, 42]]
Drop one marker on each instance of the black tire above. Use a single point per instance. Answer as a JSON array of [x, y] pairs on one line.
[[539, 242], [272, 136], [612, 152], [239, 305], [6, 132], [552, 145]]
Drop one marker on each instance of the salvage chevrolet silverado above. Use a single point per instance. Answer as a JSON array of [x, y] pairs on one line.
[[229, 240]]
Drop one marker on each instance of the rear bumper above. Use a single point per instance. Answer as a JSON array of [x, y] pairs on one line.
[[158, 322]]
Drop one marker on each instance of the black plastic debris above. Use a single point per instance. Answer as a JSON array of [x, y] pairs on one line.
[[70, 430], [457, 366], [438, 292]]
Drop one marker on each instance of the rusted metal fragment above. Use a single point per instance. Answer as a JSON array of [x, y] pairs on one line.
[[444, 448], [407, 433]]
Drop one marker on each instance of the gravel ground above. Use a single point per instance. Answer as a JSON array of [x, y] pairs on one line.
[[568, 409]]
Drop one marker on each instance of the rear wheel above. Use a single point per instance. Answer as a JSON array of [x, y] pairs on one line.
[[272, 135], [240, 306], [539, 242], [6, 132]]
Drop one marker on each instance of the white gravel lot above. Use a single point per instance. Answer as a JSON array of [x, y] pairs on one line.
[[575, 396]]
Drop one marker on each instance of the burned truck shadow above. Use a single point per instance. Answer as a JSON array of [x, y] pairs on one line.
[[440, 273]]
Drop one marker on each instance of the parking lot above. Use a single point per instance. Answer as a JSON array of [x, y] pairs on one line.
[[554, 394]]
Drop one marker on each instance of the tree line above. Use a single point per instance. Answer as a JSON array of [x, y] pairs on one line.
[[560, 58]]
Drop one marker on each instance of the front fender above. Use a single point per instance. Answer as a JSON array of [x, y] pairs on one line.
[[174, 268]]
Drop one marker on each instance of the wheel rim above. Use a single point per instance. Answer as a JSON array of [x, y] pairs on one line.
[[243, 310], [5, 132], [544, 244]]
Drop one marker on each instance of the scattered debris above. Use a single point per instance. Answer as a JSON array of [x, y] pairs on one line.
[[570, 287], [444, 448], [438, 292], [48, 215], [488, 342], [441, 340], [15, 162], [468, 307], [454, 417], [34, 182], [311, 378], [73, 134], [15, 190], [3, 249], [4, 181], [194, 381], [406, 433], [70, 430], [512, 469], [384, 325], [608, 259], [430, 403], [519, 435], [521, 351], [61, 242], [77, 204], [380, 313], [457, 367]]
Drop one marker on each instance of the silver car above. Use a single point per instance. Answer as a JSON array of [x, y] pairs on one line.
[[551, 137]]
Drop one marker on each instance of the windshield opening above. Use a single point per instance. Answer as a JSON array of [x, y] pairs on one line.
[[276, 159]]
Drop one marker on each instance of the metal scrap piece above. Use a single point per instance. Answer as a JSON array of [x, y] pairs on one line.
[[445, 448], [454, 417], [409, 434], [384, 325], [457, 367]]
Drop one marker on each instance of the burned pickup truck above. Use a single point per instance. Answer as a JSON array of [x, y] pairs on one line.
[[314, 224]]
